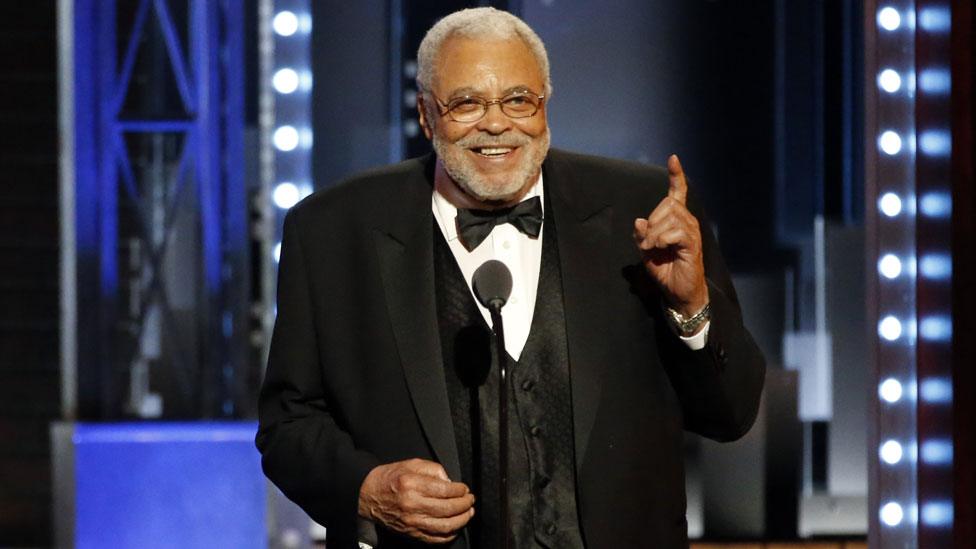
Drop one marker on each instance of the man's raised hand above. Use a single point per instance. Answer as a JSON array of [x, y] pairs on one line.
[[415, 497], [669, 240]]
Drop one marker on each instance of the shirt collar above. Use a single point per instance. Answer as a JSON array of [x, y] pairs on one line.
[[445, 212]]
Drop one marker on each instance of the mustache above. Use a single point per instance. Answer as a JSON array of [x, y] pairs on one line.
[[478, 141]]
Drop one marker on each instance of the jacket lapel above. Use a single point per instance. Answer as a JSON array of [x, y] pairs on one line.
[[583, 219], [405, 250]]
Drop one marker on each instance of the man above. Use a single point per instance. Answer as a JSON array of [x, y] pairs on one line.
[[378, 409]]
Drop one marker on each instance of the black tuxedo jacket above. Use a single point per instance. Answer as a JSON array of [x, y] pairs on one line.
[[355, 375]]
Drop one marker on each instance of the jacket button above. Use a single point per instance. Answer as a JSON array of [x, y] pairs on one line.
[[535, 430], [527, 385]]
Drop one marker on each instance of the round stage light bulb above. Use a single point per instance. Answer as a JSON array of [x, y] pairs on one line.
[[936, 328], [936, 204], [286, 195], [890, 142], [890, 204], [890, 266], [891, 514], [891, 452], [285, 138], [936, 266], [285, 23], [889, 80], [937, 513], [889, 18], [890, 390], [890, 328], [285, 80]]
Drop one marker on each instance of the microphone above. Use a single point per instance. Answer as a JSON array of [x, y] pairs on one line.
[[492, 283]]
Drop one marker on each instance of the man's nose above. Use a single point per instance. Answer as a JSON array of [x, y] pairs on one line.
[[495, 121]]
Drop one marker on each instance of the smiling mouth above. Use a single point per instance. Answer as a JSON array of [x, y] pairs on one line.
[[492, 152]]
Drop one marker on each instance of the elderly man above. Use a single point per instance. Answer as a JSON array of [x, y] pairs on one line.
[[378, 411]]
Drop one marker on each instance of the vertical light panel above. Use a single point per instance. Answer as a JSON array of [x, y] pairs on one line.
[[286, 122], [908, 174], [890, 172], [934, 283]]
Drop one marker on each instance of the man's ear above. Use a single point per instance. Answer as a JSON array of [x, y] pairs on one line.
[[422, 112]]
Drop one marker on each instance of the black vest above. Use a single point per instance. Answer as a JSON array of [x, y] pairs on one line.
[[542, 479]]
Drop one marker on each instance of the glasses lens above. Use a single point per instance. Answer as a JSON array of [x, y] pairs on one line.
[[467, 109], [520, 105]]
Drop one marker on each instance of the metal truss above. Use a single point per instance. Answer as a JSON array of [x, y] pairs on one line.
[[161, 209]]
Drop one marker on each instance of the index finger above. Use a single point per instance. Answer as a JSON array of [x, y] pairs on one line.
[[678, 189]]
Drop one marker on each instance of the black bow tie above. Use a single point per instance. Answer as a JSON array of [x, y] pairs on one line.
[[474, 226]]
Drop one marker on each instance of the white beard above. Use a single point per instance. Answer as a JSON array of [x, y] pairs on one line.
[[494, 187]]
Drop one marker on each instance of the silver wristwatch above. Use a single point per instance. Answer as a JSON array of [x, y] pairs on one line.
[[687, 327]]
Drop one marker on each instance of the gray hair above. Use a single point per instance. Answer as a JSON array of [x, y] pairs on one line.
[[477, 23]]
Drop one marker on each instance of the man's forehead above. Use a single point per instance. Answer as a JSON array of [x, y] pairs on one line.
[[475, 66]]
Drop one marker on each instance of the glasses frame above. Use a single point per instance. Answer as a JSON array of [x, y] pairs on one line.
[[500, 101]]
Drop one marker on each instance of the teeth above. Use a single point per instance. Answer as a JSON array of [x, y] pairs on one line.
[[494, 151]]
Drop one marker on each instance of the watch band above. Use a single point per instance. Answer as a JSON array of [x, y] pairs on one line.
[[687, 327]]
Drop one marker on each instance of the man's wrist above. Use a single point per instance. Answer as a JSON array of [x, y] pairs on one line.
[[365, 491], [688, 326]]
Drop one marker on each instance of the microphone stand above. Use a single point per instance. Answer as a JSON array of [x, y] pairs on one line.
[[495, 307]]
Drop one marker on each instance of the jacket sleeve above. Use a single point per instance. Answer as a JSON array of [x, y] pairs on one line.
[[719, 386], [305, 450]]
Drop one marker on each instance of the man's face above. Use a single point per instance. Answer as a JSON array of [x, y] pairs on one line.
[[497, 157]]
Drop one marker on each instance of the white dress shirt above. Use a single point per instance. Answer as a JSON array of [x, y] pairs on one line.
[[522, 255]]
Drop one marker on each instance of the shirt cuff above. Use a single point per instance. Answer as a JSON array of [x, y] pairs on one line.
[[697, 341]]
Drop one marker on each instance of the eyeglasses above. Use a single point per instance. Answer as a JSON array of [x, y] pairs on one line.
[[470, 108]]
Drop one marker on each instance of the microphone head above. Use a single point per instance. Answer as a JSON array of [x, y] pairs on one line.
[[492, 283]]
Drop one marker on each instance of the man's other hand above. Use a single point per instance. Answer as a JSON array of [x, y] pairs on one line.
[[415, 497], [669, 240]]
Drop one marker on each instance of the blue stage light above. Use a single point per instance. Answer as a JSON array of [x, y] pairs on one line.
[[935, 19], [936, 204], [935, 143], [936, 328], [935, 81], [937, 513], [936, 266], [935, 390], [936, 452]]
